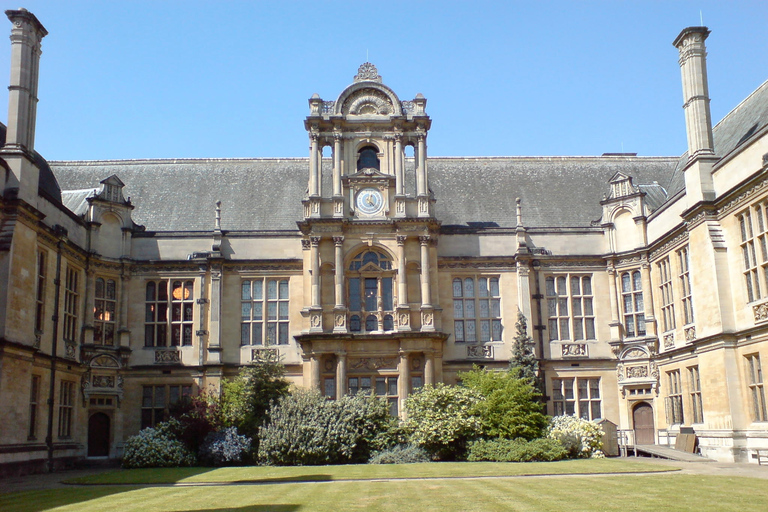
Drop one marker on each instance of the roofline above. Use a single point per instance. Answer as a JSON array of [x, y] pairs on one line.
[[734, 109]]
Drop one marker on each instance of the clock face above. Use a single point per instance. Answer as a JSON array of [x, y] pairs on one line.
[[369, 201]]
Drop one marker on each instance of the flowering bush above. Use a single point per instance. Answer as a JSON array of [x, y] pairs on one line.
[[441, 419], [156, 448], [400, 454], [581, 438], [224, 448]]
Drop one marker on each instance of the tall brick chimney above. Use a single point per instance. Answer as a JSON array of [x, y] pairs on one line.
[[26, 36], [698, 120]]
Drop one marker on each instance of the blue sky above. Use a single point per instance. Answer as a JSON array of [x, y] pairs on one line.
[[190, 79]]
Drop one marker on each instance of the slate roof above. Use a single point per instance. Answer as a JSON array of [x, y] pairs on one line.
[[46, 180], [265, 194]]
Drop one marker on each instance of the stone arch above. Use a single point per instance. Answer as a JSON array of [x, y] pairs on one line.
[[360, 97]]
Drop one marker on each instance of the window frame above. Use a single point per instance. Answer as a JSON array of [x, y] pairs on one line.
[[104, 312], [755, 286], [371, 308], [34, 402], [66, 408], [161, 327], [569, 311], [390, 388], [567, 397], [271, 330], [71, 304], [683, 258], [756, 388], [42, 275], [472, 302], [674, 398], [157, 410], [634, 317], [697, 406], [667, 294]]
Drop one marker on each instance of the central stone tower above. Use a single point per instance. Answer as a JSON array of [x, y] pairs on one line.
[[370, 238]]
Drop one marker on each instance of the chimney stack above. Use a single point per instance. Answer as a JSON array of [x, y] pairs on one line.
[[698, 121], [26, 36]]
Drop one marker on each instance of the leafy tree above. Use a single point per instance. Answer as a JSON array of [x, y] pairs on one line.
[[442, 419], [510, 407], [246, 399], [197, 416], [523, 359], [305, 428]]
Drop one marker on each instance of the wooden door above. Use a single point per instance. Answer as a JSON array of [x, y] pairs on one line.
[[98, 435], [642, 418]]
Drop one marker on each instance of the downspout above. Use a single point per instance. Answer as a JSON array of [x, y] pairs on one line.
[[539, 327], [61, 233]]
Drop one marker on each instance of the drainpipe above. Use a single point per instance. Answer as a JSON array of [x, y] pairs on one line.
[[61, 233], [539, 327]]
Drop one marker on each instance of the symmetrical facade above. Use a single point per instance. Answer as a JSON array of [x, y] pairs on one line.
[[369, 267]]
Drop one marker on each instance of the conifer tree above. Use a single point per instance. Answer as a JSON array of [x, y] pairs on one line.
[[523, 359]]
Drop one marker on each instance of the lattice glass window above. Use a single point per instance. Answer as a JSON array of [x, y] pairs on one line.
[[756, 389], [66, 408], [379, 385], [156, 401], [40, 293], [570, 311], [632, 299], [749, 256], [674, 399], [476, 309], [71, 302], [696, 403], [370, 292], [169, 306], [685, 285], [667, 295], [104, 312], [583, 400], [34, 401], [265, 312]]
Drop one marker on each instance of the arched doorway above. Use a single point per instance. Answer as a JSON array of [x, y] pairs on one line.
[[98, 435], [642, 419]]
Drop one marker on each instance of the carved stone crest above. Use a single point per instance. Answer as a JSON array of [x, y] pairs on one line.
[[761, 312], [669, 341], [367, 72], [574, 349], [636, 372], [167, 356], [480, 351]]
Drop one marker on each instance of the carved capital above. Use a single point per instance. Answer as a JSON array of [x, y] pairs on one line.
[[424, 239], [401, 239], [315, 241], [338, 241], [305, 244]]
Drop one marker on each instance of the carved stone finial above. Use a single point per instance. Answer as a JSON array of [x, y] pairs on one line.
[[367, 72], [519, 203], [217, 224]]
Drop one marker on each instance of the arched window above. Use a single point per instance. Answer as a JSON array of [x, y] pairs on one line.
[[370, 286], [368, 158]]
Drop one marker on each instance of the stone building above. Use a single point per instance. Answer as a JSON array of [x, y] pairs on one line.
[[127, 285]]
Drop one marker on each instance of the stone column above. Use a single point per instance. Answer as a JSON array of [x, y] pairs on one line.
[[315, 255], [398, 165], [404, 381], [650, 317], [612, 296], [336, 164], [421, 153], [315, 369], [340, 309], [121, 336], [426, 293], [341, 374], [429, 368], [314, 166], [90, 305], [402, 283]]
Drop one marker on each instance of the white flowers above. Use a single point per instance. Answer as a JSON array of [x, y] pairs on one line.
[[582, 438]]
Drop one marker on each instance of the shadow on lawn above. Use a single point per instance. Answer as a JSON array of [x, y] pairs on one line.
[[39, 500], [284, 479], [257, 508]]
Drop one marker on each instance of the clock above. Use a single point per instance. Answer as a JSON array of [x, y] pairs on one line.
[[369, 201]]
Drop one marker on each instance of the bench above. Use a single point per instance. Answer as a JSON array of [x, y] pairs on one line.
[[762, 457]]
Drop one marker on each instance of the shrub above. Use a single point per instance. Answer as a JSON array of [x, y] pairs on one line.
[[516, 450], [510, 407], [157, 448], [306, 429], [224, 448], [441, 419], [581, 438], [198, 416], [246, 399], [400, 454]]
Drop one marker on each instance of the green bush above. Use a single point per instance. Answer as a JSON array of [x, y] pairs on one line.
[[581, 438], [516, 450], [305, 428], [157, 448], [198, 416], [400, 454], [441, 419], [510, 407]]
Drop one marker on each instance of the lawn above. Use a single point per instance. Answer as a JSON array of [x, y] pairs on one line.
[[334, 491]]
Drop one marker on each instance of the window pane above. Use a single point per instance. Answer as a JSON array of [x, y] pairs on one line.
[[588, 307], [564, 334], [99, 288], [381, 386], [590, 324], [354, 294], [371, 289], [484, 309], [246, 311], [578, 329], [469, 308], [244, 331], [550, 286], [271, 333], [283, 333], [586, 286], [561, 286], [371, 323], [150, 291], [271, 289], [482, 287], [258, 310], [392, 386], [146, 397], [271, 310], [283, 290], [495, 308], [469, 287], [576, 305], [470, 334], [575, 288], [389, 323], [457, 288], [257, 289], [283, 310], [386, 292], [494, 287], [245, 293], [496, 330], [625, 284], [583, 393], [636, 281], [458, 308], [458, 330], [159, 396], [485, 330]]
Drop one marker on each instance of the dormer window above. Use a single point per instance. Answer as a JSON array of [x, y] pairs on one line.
[[368, 158], [112, 193]]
